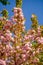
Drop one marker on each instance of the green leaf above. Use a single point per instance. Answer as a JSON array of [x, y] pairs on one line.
[[34, 44], [4, 2], [18, 3]]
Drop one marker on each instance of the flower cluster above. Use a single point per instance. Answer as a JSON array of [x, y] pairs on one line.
[[18, 46], [18, 17]]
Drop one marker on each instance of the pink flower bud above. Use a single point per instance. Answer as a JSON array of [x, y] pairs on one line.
[[2, 37], [15, 11], [21, 16], [7, 31], [23, 55], [20, 13], [14, 20], [18, 47], [15, 8], [19, 9], [16, 15]]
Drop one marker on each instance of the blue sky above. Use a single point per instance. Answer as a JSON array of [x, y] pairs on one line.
[[29, 7]]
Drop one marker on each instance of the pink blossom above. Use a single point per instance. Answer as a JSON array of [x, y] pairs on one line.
[[14, 19], [16, 44], [2, 62], [7, 31], [3, 39], [23, 57], [21, 17], [20, 13], [15, 15], [15, 10], [7, 36], [39, 40], [17, 47]]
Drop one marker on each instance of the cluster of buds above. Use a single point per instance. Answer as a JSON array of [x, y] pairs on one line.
[[6, 37], [34, 39], [34, 21], [17, 48], [18, 17]]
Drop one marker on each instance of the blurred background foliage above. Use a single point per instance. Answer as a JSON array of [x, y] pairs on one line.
[[5, 2]]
